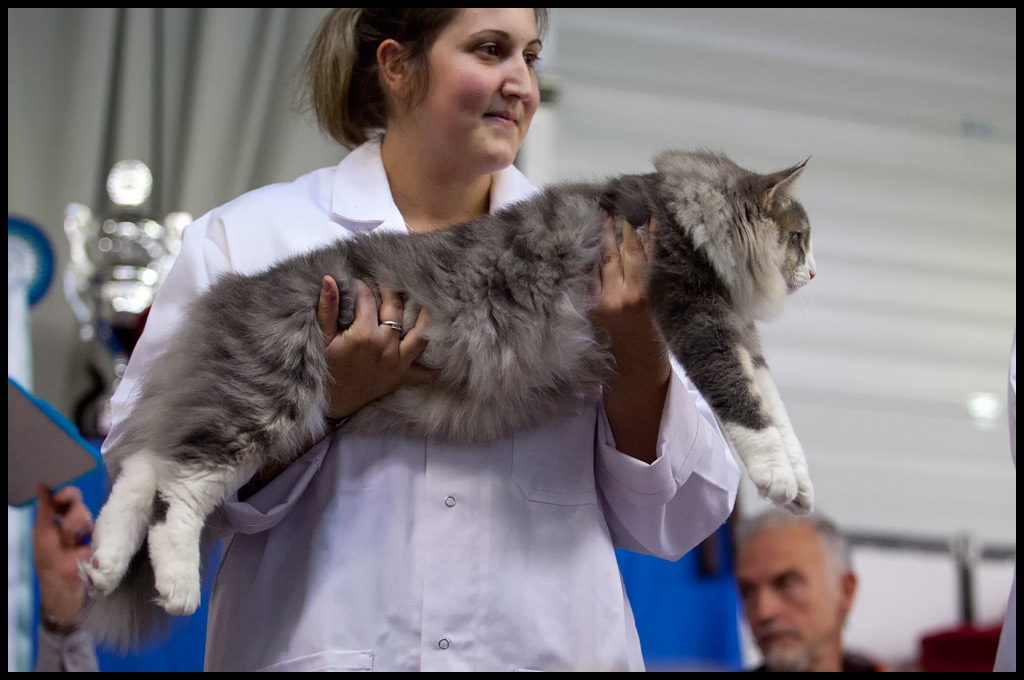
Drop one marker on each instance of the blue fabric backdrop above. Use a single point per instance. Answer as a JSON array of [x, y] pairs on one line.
[[686, 611]]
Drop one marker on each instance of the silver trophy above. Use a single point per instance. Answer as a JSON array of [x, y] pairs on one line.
[[118, 260]]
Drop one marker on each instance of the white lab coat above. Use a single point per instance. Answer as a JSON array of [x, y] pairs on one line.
[[403, 554]]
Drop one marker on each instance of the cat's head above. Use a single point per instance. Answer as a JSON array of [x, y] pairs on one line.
[[752, 229], [790, 218]]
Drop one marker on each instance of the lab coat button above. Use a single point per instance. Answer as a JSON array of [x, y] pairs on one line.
[[442, 643], [450, 501]]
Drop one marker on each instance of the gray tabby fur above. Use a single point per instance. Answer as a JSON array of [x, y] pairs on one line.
[[509, 297]]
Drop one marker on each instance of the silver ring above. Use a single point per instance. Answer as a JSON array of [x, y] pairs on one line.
[[394, 324]]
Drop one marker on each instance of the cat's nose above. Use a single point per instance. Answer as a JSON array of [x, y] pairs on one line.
[[812, 274]]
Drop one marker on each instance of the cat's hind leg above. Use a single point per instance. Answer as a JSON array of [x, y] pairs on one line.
[[174, 543], [122, 524]]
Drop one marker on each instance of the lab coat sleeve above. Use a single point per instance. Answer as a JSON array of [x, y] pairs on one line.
[[668, 507]]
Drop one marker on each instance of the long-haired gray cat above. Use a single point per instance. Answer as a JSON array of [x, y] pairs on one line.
[[509, 297]]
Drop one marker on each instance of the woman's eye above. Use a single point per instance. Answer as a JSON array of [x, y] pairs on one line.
[[490, 49], [531, 59]]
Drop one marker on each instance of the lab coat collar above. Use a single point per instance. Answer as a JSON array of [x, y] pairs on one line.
[[362, 199]]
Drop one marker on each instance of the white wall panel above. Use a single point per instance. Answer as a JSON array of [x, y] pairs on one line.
[[909, 117], [914, 306]]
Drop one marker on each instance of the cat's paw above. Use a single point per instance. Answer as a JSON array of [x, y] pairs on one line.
[[99, 581], [111, 553], [774, 482], [175, 572], [102, 572], [179, 593], [803, 503], [763, 452]]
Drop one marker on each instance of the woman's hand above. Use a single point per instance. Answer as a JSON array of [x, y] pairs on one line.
[[366, 360], [635, 395], [369, 358]]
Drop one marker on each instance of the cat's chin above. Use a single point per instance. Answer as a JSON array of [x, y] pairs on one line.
[[797, 283]]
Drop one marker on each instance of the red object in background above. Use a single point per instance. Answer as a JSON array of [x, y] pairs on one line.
[[967, 648], [128, 336]]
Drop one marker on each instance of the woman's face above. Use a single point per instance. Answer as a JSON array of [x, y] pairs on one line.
[[483, 90]]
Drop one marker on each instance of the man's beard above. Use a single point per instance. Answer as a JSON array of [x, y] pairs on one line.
[[787, 659], [782, 655]]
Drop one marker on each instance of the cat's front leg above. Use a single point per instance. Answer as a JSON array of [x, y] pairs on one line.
[[724, 371], [803, 503], [721, 354]]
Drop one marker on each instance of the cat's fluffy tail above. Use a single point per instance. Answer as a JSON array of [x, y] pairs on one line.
[[128, 617]]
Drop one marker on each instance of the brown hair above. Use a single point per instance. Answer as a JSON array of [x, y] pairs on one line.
[[344, 81]]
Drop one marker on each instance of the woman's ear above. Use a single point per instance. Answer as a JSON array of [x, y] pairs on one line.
[[394, 71]]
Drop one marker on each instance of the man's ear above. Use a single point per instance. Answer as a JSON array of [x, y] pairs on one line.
[[847, 591]]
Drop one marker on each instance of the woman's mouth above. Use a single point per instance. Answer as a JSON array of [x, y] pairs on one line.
[[503, 117]]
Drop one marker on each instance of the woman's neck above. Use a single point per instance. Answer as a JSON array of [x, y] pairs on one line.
[[429, 192]]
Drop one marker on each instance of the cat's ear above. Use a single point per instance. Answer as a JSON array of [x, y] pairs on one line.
[[778, 183]]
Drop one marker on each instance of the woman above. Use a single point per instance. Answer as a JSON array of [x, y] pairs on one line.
[[396, 554]]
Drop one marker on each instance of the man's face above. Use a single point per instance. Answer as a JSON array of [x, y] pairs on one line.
[[795, 600]]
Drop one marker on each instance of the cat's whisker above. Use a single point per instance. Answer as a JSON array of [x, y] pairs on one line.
[[805, 296]]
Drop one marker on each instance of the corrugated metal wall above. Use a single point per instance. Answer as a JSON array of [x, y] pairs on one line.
[[909, 117]]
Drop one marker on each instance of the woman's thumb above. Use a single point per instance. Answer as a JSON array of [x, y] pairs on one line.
[[327, 309]]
